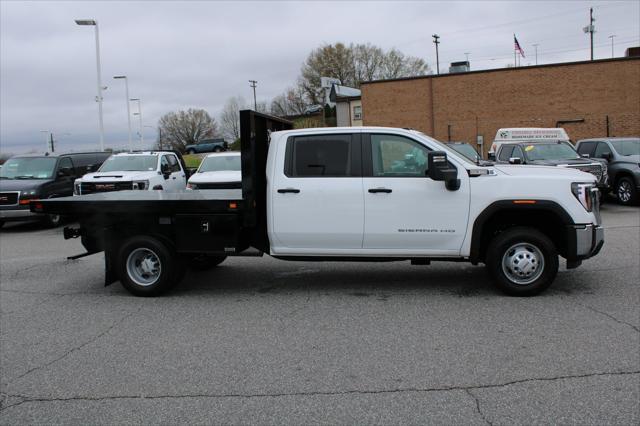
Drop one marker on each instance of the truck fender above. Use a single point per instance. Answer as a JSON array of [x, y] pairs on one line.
[[478, 238]]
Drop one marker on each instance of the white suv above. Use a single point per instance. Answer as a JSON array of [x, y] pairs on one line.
[[156, 170]]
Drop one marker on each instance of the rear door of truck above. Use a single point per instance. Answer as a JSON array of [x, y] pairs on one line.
[[317, 196]]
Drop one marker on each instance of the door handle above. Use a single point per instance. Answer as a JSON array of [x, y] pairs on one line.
[[376, 190], [288, 190]]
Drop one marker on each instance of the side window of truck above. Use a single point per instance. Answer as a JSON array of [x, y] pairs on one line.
[[586, 148], [602, 149], [164, 164], [173, 163], [517, 153], [505, 152], [319, 156], [398, 156]]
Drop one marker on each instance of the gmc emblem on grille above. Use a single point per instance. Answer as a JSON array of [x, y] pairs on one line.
[[105, 186], [3, 198]]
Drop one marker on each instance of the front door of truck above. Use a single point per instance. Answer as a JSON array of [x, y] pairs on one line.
[[405, 210], [316, 198]]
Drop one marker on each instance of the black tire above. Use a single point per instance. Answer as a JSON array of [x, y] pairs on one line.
[[203, 262], [526, 246], [159, 273], [52, 220], [626, 191], [190, 151], [217, 149]]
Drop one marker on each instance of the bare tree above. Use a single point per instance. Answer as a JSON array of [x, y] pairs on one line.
[[291, 102], [354, 64], [230, 117], [182, 128]]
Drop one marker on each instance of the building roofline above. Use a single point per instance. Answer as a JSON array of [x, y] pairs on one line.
[[559, 64]]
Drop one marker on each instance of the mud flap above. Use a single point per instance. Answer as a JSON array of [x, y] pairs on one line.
[[110, 274]]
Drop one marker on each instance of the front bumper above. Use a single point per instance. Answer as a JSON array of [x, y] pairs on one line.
[[584, 241], [18, 215]]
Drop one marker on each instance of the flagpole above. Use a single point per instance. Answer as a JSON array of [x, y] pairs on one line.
[[515, 61]]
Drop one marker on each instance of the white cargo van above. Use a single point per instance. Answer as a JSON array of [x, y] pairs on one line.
[[527, 134]]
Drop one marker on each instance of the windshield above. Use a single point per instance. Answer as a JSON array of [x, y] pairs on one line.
[[220, 163], [130, 163], [547, 151], [28, 168], [626, 147], [466, 150]]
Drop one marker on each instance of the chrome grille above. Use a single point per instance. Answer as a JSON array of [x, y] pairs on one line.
[[9, 198], [594, 169], [92, 187]]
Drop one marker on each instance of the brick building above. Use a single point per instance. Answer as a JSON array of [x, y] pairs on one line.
[[588, 99]]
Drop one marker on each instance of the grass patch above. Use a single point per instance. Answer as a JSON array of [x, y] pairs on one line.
[[193, 160]]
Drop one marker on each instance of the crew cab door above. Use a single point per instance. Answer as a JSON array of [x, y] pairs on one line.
[[405, 210], [316, 199]]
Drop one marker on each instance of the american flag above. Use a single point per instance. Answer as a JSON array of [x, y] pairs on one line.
[[516, 46]]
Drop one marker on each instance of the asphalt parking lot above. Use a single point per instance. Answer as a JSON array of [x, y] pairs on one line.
[[264, 341]]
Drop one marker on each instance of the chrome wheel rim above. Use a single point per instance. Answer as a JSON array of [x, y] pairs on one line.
[[144, 267], [624, 191], [523, 263]]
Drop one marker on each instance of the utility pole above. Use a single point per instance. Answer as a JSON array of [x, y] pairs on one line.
[[436, 41], [254, 83], [590, 29], [611, 37], [53, 148], [536, 47]]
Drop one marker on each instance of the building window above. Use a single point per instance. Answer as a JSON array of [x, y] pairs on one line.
[[357, 112]]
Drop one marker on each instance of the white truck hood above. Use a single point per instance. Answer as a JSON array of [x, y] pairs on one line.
[[216, 177], [118, 176], [544, 171]]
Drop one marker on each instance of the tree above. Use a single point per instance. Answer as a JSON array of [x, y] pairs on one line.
[[354, 64], [291, 102], [230, 117], [182, 128]]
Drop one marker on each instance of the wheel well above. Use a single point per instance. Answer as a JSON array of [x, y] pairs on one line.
[[549, 222], [622, 174]]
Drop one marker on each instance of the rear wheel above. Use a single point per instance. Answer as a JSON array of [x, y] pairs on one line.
[[217, 149], [522, 261], [191, 151], [52, 220], [148, 266], [203, 262], [626, 191]]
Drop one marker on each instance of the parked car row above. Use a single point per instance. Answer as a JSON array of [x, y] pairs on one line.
[[27, 178]]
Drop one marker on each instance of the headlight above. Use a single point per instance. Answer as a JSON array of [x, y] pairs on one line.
[[192, 186], [585, 193], [141, 184], [26, 196], [76, 187]]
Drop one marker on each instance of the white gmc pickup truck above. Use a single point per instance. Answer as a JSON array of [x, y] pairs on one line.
[[352, 194]]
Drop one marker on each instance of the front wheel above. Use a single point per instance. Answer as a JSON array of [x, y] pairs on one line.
[[522, 261], [148, 266], [626, 191]]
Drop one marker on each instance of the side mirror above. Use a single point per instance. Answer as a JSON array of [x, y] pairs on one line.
[[439, 169], [491, 156], [584, 155], [515, 160], [607, 156]]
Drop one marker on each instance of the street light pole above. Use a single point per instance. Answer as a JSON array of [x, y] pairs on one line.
[[611, 37], [126, 89], [139, 114], [94, 23]]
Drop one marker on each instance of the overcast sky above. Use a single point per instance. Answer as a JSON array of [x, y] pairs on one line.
[[197, 54]]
